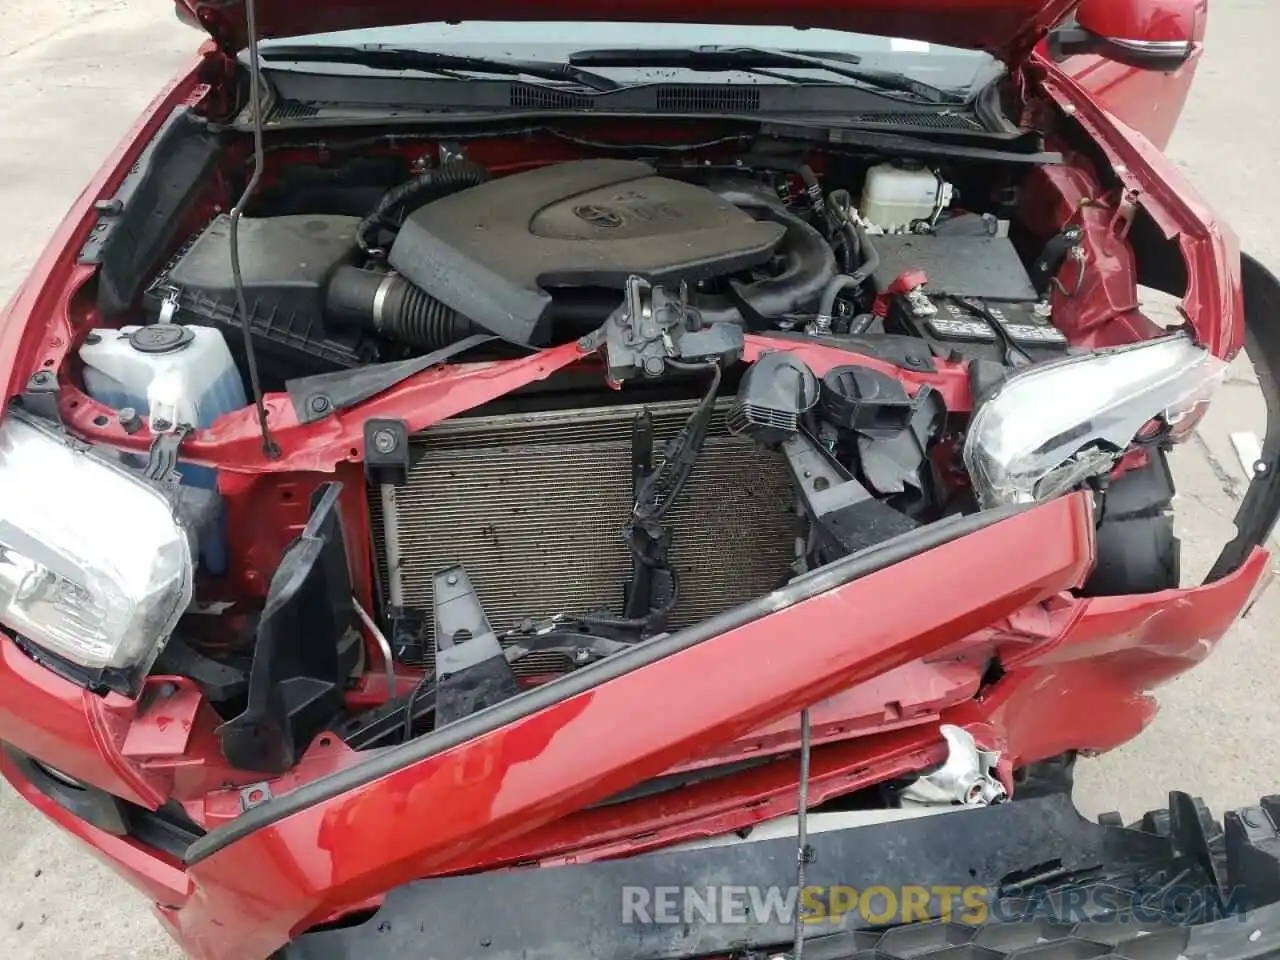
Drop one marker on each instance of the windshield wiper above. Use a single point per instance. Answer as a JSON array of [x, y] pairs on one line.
[[383, 57], [758, 60]]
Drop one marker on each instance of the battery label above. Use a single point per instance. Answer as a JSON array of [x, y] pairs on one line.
[[1035, 333], [945, 328], [954, 322]]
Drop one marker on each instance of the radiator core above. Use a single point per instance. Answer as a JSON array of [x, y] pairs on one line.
[[533, 506]]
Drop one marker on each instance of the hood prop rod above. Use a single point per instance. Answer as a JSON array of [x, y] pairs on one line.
[[804, 853], [269, 447]]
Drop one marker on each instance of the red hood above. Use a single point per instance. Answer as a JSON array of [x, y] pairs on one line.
[[1005, 28]]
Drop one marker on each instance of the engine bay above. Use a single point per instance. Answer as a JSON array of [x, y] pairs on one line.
[[535, 402], [543, 255]]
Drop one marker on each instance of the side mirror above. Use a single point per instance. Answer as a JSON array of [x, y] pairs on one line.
[[1146, 34]]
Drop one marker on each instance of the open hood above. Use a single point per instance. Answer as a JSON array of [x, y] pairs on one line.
[[1005, 28]]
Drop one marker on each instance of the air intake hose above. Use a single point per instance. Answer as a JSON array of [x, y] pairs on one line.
[[422, 189], [810, 264], [389, 305]]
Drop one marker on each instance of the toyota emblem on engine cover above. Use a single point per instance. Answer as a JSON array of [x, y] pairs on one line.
[[598, 216]]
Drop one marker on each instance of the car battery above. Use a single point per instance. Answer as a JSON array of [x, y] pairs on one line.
[[949, 322]]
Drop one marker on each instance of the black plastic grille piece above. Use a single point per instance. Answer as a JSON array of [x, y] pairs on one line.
[[1008, 937], [294, 110], [921, 939], [544, 98], [738, 99], [942, 120], [1119, 938]]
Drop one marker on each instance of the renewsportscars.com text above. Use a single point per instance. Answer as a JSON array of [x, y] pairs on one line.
[[881, 906]]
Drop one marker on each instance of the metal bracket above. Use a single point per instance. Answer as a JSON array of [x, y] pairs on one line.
[[1054, 256], [254, 795], [471, 670], [406, 634], [1126, 208], [169, 306], [965, 779], [162, 458], [844, 514], [564, 638], [386, 451], [40, 398], [652, 327]]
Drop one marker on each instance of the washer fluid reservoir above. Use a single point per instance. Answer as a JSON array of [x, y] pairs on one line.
[[895, 195], [173, 374]]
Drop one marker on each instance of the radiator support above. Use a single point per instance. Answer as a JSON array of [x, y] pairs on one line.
[[533, 506]]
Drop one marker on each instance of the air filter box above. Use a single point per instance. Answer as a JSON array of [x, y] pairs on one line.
[[285, 264]]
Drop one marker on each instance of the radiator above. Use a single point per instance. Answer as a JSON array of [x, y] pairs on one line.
[[533, 505]]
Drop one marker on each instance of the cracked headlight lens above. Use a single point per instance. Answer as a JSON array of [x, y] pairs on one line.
[[1054, 425], [94, 568]]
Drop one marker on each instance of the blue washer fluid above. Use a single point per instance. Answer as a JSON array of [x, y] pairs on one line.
[[176, 373]]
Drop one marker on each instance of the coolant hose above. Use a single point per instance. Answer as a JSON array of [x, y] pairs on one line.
[[810, 264], [870, 256], [842, 282], [826, 309], [389, 305], [428, 186], [812, 186], [840, 215], [852, 245]]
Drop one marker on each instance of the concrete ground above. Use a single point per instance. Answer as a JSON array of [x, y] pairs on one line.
[[74, 75]]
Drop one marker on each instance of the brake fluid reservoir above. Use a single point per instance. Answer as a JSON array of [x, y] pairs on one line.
[[896, 194], [174, 375]]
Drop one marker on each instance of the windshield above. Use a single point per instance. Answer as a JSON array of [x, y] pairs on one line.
[[949, 68]]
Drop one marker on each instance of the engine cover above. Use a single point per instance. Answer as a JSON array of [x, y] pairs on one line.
[[492, 252]]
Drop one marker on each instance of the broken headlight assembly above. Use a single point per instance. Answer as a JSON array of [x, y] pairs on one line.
[[94, 568], [1053, 426]]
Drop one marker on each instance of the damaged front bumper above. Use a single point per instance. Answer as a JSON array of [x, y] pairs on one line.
[[1028, 879], [1260, 510], [536, 781]]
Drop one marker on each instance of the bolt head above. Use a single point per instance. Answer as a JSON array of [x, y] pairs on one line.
[[319, 404], [384, 441]]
